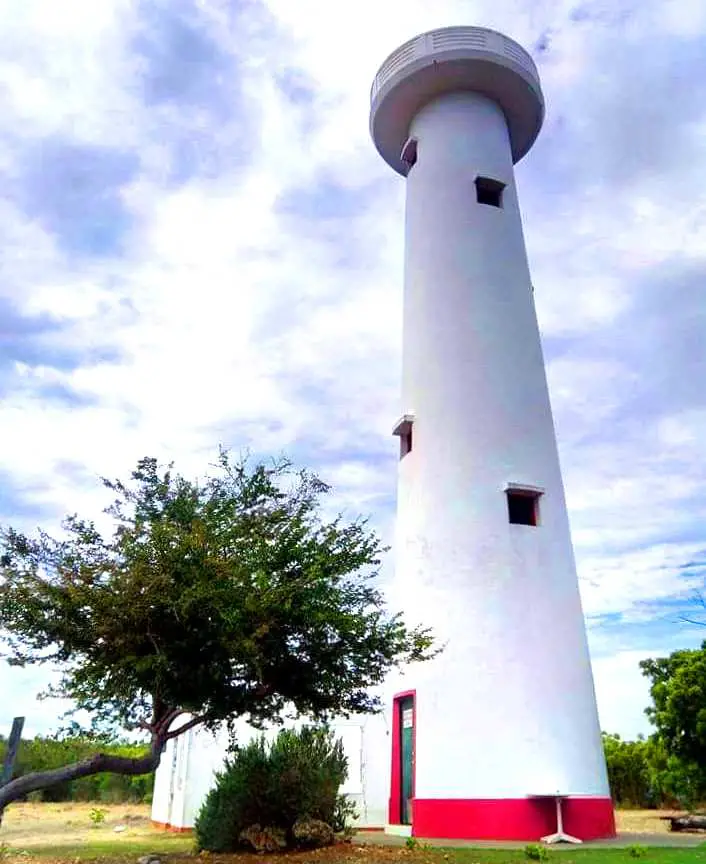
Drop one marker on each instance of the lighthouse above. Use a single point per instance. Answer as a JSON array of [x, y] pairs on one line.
[[498, 736]]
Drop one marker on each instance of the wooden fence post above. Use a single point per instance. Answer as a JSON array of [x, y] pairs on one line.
[[10, 757]]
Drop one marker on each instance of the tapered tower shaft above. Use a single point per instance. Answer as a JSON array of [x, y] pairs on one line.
[[483, 549]]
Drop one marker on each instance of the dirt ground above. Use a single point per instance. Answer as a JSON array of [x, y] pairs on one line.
[[643, 821], [64, 826], [29, 825]]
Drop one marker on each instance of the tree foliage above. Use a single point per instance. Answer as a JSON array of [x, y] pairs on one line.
[[678, 690], [643, 774], [230, 597], [669, 767], [628, 771]]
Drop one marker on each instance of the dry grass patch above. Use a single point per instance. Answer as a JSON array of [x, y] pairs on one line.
[[644, 821], [69, 829]]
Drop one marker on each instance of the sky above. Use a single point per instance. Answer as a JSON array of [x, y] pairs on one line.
[[199, 246]]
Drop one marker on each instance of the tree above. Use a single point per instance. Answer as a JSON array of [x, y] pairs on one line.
[[217, 600], [628, 770], [678, 691], [674, 784]]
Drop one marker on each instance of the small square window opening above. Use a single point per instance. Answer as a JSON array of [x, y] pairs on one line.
[[523, 507], [489, 191]]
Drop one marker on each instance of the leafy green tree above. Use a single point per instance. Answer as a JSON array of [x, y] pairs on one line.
[[675, 784], [628, 771], [678, 690], [226, 598]]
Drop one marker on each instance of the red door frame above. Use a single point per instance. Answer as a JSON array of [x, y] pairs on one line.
[[395, 803]]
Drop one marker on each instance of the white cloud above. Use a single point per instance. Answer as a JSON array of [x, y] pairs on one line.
[[623, 693], [251, 294]]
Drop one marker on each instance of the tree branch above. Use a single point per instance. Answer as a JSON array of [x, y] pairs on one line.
[[161, 728], [93, 765], [692, 621], [185, 728]]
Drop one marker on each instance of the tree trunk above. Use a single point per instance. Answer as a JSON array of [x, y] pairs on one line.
[[97, 764], [693, 822]]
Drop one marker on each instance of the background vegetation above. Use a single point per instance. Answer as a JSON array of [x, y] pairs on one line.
[[668, 769], [44, 753]]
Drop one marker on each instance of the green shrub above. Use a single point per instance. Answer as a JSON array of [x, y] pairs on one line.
[[636, 851], [345, 815], [296, 777], [536, 852], [97, 815]]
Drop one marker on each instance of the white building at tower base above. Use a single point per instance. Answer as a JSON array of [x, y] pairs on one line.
[[190, 762]]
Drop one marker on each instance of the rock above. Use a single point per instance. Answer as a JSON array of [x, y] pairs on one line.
[[149, 859], [313, 833], [119, 828], [267, 839]]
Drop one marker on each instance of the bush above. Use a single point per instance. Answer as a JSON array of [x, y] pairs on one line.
[[97, 815], [295, 778], [536, 852], [344, 815]]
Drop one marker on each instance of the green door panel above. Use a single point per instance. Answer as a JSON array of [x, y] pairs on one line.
[[407, 755]]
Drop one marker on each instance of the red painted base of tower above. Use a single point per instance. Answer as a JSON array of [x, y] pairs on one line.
[[511, 819]]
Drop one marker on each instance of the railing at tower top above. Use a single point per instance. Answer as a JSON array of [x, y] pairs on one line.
[[448, 39]]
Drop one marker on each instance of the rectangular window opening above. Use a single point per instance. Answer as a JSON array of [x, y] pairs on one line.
[[405, 443], [489, 191], [523, 507], [403, 429]]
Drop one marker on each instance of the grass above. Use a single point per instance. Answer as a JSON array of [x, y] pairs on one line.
[[573, 856], [66, 834]]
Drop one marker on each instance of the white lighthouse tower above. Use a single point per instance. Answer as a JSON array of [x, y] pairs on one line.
[[498, 737]]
